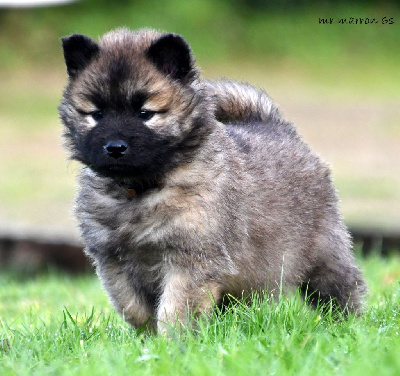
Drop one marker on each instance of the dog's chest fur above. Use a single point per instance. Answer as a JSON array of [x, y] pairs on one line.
[[181, 223]]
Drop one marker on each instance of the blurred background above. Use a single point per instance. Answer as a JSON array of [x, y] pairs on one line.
[[332, 66]]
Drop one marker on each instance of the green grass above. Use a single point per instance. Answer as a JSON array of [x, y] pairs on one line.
[[62, 325]]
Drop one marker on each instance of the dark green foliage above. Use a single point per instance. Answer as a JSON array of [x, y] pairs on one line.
[[217, 30]]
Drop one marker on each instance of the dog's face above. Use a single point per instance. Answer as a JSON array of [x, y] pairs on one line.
[[130, 110]]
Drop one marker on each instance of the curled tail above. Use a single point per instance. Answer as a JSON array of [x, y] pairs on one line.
[[240, 102]]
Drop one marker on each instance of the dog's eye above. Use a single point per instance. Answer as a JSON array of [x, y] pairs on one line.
[[97, 115], [146, 115]]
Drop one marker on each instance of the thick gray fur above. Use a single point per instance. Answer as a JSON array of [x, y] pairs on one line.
[[248, 208]]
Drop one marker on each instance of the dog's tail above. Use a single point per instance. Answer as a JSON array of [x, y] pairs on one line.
[[239, 102]]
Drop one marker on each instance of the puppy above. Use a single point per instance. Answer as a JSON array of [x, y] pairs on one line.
[[194, 189]]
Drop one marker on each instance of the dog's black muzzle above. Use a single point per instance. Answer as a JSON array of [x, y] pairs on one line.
[[116, 148]]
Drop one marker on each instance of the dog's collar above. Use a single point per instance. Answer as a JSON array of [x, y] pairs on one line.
[[139, 187]]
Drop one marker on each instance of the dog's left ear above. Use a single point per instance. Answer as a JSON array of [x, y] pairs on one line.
[[172, 56]]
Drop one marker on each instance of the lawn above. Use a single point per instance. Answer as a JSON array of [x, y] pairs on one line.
[[63, 325]]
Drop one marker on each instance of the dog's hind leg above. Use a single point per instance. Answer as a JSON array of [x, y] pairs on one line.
[[335, 274]]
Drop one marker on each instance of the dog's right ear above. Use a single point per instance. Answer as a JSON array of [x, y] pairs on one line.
[[79, 50]]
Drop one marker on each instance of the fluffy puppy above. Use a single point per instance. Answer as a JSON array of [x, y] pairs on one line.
[[194, 189]]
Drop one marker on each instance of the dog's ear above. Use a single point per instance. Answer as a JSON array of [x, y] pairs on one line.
[[79, 50], [172, 56]]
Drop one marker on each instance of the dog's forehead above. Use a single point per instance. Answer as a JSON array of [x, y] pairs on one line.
[[122, 73], [123, 57], [138, 40]]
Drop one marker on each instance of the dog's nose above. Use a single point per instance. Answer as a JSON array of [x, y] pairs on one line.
[[116, 148]]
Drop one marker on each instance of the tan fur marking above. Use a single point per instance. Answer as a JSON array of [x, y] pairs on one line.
[[183, 297]]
